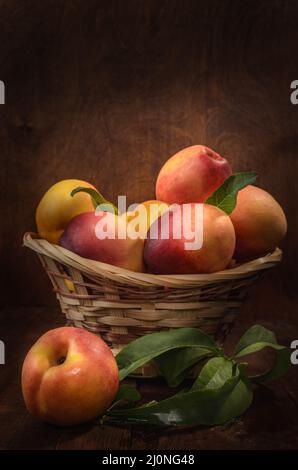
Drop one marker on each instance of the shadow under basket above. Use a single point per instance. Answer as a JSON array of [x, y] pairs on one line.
[[122, 305]]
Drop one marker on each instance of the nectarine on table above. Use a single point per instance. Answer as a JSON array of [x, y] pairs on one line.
[[57, 207], [69, 376], [118, 247], [259, 222], [191, 175], [169, 255]]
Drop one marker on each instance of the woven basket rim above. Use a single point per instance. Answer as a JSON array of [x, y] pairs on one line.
[[97, 268]]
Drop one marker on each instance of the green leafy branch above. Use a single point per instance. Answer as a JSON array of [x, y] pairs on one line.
[[221, 391]]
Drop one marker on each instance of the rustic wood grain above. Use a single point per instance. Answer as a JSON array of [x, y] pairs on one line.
[[107, 90]]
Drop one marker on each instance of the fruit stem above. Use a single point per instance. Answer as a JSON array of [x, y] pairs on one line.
[[97, 199]]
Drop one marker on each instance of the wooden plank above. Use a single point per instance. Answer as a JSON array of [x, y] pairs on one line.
[[94, 437]]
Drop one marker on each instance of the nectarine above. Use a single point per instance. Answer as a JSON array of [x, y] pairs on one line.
[[144, 215], [69, 376], [259, 222], [104, 237], [191, 175], [169, 255], [57, 208]]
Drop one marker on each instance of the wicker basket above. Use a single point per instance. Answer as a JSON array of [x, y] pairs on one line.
[[121, 305]]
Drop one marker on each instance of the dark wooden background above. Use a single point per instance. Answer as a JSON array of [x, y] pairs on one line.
[[106, 91]]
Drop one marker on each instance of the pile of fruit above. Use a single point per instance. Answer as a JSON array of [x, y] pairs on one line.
[[240, 221]]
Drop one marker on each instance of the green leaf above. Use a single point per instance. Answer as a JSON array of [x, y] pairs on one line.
[[255, 334], [225, 197], [217, 372], [228, 397], [148, 347], [127, 393], [220, 393], [257, 338], [97, 199], [174, 365]]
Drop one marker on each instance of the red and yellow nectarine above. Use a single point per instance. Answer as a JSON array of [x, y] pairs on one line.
[[191, 175], [82, 234], [69, 376], [170, 256]]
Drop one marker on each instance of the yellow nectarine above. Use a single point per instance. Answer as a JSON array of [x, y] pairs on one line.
[[57, 207], [144, 215], [259, 222]]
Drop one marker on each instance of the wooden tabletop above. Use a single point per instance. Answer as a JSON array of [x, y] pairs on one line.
[[270, 423]]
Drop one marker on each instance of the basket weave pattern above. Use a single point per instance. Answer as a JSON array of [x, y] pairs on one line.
[[121, 305]]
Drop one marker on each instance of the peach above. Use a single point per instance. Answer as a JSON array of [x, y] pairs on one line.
[[259, 222], [143, 216], [191, 175], [57, 207], [168, 255], [69, 376], [103, 237]]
